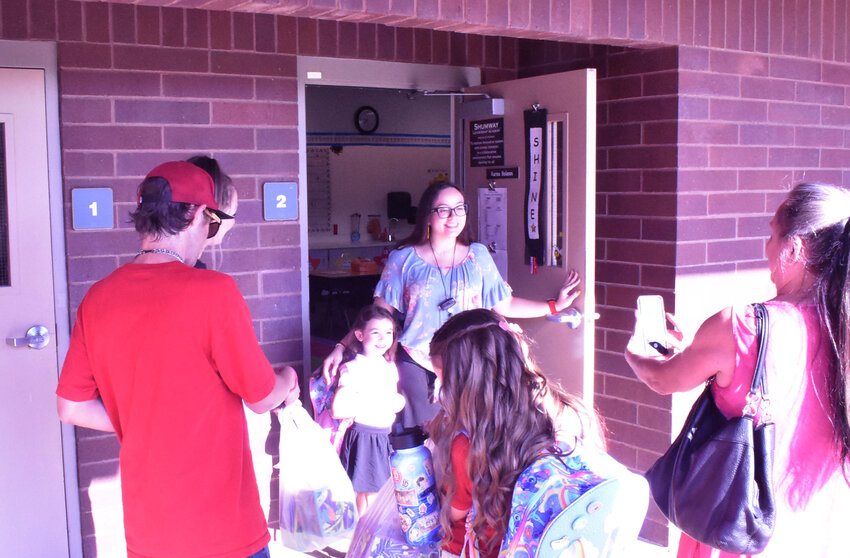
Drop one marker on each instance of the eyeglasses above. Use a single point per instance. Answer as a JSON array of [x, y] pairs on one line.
[[444, 211], [215, 223]]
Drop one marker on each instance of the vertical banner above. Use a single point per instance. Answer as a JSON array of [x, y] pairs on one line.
[[535, 182]]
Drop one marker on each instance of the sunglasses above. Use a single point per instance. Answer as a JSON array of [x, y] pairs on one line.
[[444, 211], [215, 223]]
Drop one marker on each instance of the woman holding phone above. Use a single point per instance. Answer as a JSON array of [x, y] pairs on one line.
[[807, 365]]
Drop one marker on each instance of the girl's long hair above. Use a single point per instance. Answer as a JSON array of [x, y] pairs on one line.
[[819, 214], [493, 392], [420, 232]]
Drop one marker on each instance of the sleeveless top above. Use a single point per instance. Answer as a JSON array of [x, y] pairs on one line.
[[812, 495]]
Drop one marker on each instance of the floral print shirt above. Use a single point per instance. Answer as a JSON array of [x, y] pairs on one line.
[[416, 288]]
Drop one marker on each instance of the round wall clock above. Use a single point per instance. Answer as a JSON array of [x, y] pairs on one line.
[[366, 120]]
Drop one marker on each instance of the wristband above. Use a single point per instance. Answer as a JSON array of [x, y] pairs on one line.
[[341, 346], [552, 307]]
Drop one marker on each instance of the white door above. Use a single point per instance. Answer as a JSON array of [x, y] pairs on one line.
[[569, 98], [33, 521]]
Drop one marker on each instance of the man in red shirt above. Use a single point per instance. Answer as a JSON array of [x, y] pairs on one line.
[[164, 355]]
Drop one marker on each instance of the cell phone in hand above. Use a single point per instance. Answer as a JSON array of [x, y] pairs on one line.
[[652, 321]]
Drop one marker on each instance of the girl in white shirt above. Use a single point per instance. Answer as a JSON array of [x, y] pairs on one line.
[[368, 393]]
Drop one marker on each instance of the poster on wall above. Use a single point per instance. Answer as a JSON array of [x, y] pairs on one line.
[[493, 225], [535, 183], [487, 142]]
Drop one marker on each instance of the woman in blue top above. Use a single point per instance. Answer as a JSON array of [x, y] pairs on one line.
[[435, 273]]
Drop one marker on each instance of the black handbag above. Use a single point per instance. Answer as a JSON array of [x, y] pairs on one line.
[[715, 483]]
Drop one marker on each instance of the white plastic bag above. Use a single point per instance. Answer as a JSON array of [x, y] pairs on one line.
[[317, 501]]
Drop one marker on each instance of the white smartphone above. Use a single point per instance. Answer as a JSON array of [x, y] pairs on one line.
[[652, 321]]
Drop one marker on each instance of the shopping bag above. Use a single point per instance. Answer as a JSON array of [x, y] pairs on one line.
[[322, 397], [317, 501]]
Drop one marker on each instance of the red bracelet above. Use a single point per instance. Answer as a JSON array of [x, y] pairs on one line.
[[552, 307]]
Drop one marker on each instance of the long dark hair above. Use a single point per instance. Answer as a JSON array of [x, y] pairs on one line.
[[423, 212], [224, 188], [494, 392], [819, 215]]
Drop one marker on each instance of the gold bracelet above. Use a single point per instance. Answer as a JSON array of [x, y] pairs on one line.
[[340, 345]]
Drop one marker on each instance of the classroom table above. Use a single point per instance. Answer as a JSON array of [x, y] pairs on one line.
[[336, 295]]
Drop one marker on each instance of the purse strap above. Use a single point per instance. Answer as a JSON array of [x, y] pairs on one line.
[[757, 398]]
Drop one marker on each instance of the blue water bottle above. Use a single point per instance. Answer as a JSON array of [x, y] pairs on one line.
[[415, 487]]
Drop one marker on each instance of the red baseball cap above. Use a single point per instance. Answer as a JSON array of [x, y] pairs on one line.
[[189, 184]]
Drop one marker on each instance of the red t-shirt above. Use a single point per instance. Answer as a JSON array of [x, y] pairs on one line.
[[172, 352], [462, 499]]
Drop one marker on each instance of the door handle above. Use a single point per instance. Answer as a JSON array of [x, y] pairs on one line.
[[37, 338], [571, 316]]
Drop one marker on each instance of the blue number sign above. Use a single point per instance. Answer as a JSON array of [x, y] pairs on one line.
[[92, 208], [280, 201]]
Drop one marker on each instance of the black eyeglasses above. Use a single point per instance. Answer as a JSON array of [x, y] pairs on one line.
[[444, 211], [215, 223]]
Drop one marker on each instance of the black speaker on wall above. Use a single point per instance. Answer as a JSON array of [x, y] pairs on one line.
[[399, 207]]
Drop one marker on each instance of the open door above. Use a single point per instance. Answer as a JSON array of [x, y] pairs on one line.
[[562, 113]]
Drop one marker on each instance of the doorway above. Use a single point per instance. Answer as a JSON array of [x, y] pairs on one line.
[[40, 458]]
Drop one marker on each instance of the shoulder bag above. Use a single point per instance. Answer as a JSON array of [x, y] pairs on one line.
[[715, 483]]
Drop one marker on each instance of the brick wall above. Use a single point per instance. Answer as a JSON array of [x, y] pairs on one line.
[[696, 142]]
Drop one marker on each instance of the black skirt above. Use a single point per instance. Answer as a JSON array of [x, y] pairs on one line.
[[365, 455]]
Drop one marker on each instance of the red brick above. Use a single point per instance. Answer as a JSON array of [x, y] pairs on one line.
[[818, 137], [347, 42], [835, 116], [650, 157], [748, 25], [702, 23], [206, 86], [247, 113], [661, 83], [123, 23], [182, 112], [694, 58], [644, 110], [148, 25], [197, 29], [708, 132], [70, 19], [367, 41], [670, 20], [618, 18], [475, 12], [287, 35], [87, 164], [753, 226], [658, 277], [308, 43], [658, 229], [705, 180], [820, 94], [836, 73], [96, 22], [264, 33], [767, 88], [618, 227], [221, 30], [619, 88], [637, 19], [172, 27], [835, 158], [509, 49], [790, 157], [692, 205], [86, 110], [386, 42], [632, 389], [638, 251], [737, 156], [277, 138], [739, 64], [717, 24], [740, 111], [116, 137], [428, 9], [732, 25], [610, 272], [793, 113], [765, 134], [84, 55], [735, 250], [762, 179], [707, 229], [327, 36], [690, 253], [269, 163], [90, 269], [743, 203], [160, 58], [208, 138], [693, 108], [691, 156], [404, 44], [272, 89], [622, 134], [805, 70], [239, 63], [278, 282]]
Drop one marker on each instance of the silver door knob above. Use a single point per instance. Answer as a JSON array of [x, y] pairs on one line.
[[37, 338], [571, 316]]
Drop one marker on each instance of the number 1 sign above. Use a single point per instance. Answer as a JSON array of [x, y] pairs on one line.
[[280, 201], [92, 208]]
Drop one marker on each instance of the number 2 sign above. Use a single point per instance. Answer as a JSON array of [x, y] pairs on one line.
[[280, 201], [92, 208]]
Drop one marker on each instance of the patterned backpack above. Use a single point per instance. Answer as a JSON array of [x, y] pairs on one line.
[[322, 397]]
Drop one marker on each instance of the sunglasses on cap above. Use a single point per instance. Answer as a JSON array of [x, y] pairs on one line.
[[215, 223]]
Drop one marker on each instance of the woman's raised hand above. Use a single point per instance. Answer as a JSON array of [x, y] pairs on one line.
[[568, 292]]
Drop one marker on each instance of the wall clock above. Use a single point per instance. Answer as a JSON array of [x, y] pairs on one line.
[[366, 120]]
